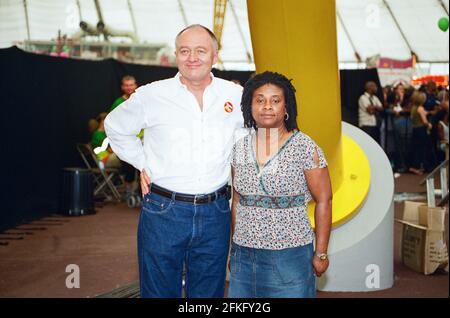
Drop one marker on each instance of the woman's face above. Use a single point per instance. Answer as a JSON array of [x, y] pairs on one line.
[[269, 106], [400, 89]]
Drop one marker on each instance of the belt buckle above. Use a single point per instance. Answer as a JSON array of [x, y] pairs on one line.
[[198, 197]]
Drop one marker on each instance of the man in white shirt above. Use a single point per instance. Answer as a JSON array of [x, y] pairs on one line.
[[369, 105], [189, 123]]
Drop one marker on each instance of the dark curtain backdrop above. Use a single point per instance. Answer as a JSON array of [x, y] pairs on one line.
[[352, 87], [45, 106]]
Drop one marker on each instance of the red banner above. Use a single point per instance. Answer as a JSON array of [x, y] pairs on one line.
[[385, 62]]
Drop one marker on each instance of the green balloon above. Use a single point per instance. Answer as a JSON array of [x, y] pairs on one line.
[[443, 24]]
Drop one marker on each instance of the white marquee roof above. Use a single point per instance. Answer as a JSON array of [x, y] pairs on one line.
[[390, 28]]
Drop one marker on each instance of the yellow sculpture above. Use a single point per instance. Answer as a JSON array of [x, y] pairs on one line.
[[298, 39]]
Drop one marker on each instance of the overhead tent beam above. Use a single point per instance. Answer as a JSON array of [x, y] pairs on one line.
[[399, 28], [133, 20], [220, 7], [27, 21], [100, 16], [79, 10], [238, 24], [183, 13], [357, 55], [443, 6], [99, 11]]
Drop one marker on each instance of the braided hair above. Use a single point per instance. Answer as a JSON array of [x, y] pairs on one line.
[[276, 79]]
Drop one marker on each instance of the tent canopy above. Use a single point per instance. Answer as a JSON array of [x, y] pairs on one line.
[[392, 28], [389, 28]]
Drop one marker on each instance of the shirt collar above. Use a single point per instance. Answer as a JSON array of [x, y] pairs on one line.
[[213, 85]]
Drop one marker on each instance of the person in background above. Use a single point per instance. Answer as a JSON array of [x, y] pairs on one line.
[[432, 107], [431, 104], [402, 132], [128, 87], [369, 107], [421, 146], [107, 156], [442, 91], [400, 90], [442, 127], [406, 103], [386, 92], [392, 111], [109, 159], [92, 126]]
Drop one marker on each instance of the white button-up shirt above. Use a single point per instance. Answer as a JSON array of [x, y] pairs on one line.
[[364, 118], [185, 149]]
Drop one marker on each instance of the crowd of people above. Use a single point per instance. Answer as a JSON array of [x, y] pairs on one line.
[[410, 124]]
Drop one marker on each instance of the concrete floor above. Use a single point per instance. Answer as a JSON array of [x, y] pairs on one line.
[[34, 261]]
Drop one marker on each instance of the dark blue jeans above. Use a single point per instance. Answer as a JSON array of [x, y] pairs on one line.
[[172, 233], [261, 273]]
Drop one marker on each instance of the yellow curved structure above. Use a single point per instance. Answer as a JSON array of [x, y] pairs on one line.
[[298, 39]]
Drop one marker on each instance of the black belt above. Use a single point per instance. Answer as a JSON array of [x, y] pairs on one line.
[[196, 199]]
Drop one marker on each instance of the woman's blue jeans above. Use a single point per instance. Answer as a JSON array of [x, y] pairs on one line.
[[261, 273]]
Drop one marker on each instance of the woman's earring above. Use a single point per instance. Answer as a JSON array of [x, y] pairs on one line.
[[286, 117]]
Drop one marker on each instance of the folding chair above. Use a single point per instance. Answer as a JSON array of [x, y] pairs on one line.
[[103, 177]]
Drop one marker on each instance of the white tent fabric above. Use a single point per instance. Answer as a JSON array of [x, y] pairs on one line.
[[372, 29], [365, 26]]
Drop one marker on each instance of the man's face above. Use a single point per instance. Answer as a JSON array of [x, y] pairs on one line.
[[372, 88], [128, 87], [195, 54]]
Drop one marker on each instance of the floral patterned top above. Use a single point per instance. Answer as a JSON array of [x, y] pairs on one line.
[[268, 226]]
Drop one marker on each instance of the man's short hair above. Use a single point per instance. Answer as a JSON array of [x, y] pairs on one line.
[[368, 84], [128, 78], [192, 26]]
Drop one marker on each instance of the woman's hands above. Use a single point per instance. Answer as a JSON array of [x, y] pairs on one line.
[[319, 265]]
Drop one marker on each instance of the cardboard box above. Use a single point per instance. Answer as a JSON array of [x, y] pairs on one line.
[[423, 250], [410, 211], [413, 247], [423, 245], [432, 218]]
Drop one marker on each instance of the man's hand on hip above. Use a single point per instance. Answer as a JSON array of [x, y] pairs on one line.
[[145, 183]]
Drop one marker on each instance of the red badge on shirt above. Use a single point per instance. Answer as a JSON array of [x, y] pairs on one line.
[[228, 107]]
